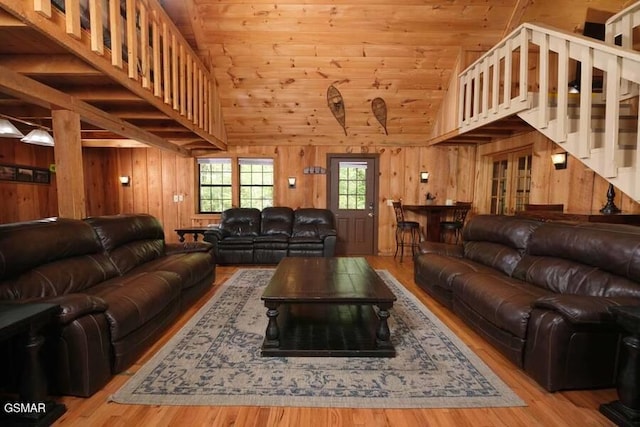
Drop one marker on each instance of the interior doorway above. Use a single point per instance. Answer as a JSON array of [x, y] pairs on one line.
[[352, 182]]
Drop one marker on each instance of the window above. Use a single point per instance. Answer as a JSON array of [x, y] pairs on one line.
[[223, 184], [256, 183], [215, 185], [352, 185]]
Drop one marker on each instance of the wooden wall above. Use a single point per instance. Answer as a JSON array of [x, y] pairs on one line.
[[25, 201], [156, 176], [577, 187]]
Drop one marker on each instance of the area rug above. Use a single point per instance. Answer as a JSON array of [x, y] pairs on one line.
[[215, 360]]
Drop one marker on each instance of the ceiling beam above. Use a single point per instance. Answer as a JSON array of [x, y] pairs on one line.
[[48, 65], [37, 93]]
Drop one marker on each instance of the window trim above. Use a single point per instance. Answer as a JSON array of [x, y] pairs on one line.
[[211, 160], [235, 177]]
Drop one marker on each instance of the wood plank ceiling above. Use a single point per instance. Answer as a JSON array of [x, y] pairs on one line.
[[274, 60]]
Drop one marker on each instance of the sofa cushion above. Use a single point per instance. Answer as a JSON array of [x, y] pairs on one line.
[[62, 256], [135, 299], [276, 221], [497, 241], [240, 222], [192, 267], [504, 302], [614, 248], [564, 276], [313, 222], [272, 241], [129, 239], [441, 269]]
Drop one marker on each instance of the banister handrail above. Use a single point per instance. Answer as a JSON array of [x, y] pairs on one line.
[[628, 11], [571, 37]]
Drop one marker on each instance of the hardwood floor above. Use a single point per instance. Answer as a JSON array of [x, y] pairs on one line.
[[575, 408]]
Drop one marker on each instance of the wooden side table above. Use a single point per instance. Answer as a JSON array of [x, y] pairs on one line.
[[626, 410], [193, 230], [31, 408]]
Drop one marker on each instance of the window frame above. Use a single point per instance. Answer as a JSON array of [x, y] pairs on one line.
[[235, 178], [212, 160], [255, 161]]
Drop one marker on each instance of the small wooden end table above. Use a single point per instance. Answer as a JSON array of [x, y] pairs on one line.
[[325, 307], [16, 319]]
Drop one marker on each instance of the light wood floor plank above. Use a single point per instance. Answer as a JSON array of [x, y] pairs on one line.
[[561, 409]]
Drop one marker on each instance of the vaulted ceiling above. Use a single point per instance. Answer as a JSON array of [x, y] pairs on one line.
[[274, 60]]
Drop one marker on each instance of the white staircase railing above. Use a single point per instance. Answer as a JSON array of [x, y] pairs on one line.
[[591, 127]]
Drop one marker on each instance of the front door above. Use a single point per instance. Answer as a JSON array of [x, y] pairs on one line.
[[352, 195]]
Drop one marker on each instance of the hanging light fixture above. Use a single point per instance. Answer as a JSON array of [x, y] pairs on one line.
[[38, 137], [8, 130]]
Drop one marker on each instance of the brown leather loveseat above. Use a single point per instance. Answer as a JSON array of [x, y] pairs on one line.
[[119, 285], [539, 292]]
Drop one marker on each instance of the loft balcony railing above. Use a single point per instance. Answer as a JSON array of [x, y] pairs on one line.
[[135, 40]]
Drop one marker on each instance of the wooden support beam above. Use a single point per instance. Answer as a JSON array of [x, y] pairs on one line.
[[69, 167], [22, 87], [50, 65]]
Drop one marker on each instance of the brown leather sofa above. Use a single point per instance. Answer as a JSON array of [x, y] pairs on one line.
[[251, 236], [539, 292], [119, 285]]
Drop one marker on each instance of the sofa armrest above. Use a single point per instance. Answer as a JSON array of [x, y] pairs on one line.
[[186, 247], [325, 230], [447, 249], [583, 309], [73, 306]]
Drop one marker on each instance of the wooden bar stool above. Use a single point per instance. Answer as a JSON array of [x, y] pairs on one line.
[[407, 232], [451, 231]]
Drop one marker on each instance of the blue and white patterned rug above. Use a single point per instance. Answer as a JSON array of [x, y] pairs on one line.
[[215, 360]]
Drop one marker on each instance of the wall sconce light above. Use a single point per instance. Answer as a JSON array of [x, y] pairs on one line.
[[125, 180], [559, 160], [424, 177], [292, 181]]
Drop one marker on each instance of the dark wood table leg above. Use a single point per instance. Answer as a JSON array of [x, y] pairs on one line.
[[626, 410], [180, 236], [33, 387], [33, 408], [383, 334], [272, 334]]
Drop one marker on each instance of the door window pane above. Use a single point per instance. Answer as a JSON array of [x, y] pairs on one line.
[[352, 185]]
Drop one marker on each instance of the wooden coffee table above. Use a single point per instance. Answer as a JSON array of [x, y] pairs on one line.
[[325, 307]]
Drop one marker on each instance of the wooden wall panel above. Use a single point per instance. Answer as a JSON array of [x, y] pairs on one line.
[[577, 187], [102, 192], [156, 176], [399, 177], [24, 201]]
